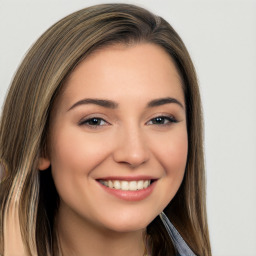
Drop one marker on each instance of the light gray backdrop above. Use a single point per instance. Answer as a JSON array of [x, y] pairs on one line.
[[221, 37]]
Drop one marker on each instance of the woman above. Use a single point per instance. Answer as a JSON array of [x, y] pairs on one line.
[[101, 132]]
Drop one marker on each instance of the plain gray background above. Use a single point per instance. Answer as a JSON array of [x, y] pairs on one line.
[[221, 38]]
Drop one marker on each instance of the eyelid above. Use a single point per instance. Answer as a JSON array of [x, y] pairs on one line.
[[171, 119], [84, 122]]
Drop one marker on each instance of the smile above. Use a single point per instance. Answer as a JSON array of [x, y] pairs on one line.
[[128, 188], [125, 185]]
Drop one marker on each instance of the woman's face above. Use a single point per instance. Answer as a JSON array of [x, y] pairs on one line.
[[118, 138]]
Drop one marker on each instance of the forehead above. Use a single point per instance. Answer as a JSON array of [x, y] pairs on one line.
[[118, 70]]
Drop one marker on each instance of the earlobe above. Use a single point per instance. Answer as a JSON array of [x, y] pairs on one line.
[[43, 163]]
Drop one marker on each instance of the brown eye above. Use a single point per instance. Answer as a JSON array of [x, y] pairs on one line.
[[162, 120], [95, 121]]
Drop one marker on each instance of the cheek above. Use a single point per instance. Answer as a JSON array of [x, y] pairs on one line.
[[73, 146], [74, 155], [176, 153], [171, 153]]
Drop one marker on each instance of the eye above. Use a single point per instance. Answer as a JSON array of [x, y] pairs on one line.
[[94, 122], [162, 120]]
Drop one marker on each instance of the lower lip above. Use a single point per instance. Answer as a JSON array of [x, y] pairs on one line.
[[129, 195]]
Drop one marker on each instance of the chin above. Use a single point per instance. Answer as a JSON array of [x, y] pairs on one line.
[[126, 227], [128, 223]]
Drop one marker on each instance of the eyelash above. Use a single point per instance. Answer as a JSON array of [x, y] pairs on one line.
[[168, 120], [96, 119]]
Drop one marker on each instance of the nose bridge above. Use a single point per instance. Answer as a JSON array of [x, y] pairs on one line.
[[132, 146]]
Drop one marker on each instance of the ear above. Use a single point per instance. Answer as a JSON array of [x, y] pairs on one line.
[[43, 163]]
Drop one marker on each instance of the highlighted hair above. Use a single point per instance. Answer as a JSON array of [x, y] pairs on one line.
[[28, 197]]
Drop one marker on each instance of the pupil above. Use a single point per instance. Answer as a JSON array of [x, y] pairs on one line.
[[94, 121], [159, 120]]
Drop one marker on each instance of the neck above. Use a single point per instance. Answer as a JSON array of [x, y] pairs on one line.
[[78, 237]]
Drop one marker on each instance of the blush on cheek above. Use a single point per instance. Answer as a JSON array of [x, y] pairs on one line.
[[176, 155]]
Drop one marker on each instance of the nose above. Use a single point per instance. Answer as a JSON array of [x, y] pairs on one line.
[[131, 148]]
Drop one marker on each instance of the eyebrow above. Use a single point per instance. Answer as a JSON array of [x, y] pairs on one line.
[[113, 105], [99, 102], [163, 101]]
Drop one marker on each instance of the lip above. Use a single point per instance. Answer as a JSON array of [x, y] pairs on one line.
[[128, 178], [129, 195]]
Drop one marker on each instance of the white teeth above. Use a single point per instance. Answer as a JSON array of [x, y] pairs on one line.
[[140, 184], [133, 186], [117, 184], [109, 184], [126, 185], [146, 183]]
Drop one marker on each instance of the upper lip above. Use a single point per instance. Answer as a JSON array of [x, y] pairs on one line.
[[128, 178]]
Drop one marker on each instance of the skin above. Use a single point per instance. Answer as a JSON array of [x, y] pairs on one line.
[[124, 141]]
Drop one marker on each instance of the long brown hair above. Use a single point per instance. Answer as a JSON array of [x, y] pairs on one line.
[[25, 118]]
